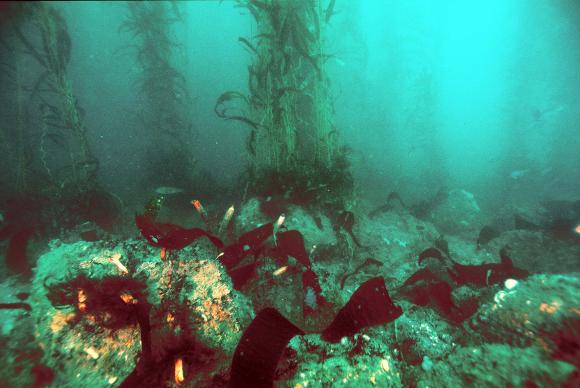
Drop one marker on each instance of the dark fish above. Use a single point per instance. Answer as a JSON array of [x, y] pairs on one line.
[[392, 200], [22, 295], [318, 222], [346, 221], [424, 208], [442, 245], [486, 234], [431, 253], [367, 262], [523, 224]]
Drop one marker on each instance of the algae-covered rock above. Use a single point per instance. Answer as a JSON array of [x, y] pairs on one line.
[[458, 214], [531, 311], [353, 362], [74, 345], [395, 239], [88, 334], [250, 216], [538, 252], [496, 365], [316, 227]]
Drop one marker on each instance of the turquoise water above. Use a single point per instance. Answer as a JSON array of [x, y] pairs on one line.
[[283, 155]]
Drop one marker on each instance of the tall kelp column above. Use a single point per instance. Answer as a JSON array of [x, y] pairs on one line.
[[162, 93], [288, 108], [41, 33]]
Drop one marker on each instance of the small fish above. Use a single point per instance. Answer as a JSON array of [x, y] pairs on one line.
[[278, 224], [280, 221], [115, 260], [198, 206], [486, 234], [518, 174], [346, 220], [163, 253], [201, 210], [280, 271], [168, 190], [227, 218]]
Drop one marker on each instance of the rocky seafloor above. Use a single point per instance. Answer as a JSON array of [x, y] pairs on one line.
[[84, 326]]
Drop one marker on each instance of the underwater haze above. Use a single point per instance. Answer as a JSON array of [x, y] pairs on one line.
[[292, 193]]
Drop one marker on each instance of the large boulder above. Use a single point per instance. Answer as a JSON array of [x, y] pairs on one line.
[[189, 292]]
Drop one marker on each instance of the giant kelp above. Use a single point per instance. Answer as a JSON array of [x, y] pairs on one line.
[[61, 116], [162, 90], [288, 108]]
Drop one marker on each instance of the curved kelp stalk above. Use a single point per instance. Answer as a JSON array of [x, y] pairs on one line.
[[221, 109]]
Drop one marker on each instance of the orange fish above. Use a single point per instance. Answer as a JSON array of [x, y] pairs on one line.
[[198, 206], [163, 253], [200, 209]]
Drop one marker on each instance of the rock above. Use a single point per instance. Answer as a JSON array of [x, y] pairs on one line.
[[188, 292], [496, 365], [297, 218], [458, 214]]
